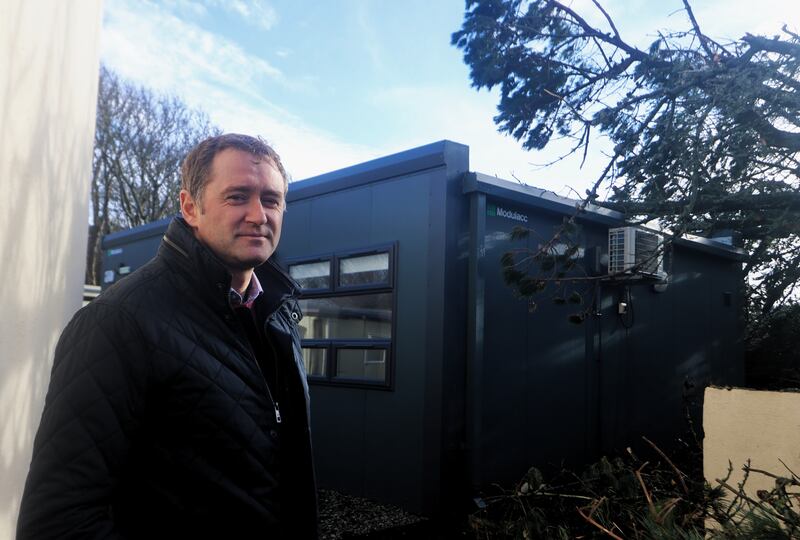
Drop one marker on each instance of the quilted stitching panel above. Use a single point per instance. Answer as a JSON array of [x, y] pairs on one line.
[[131, 360]]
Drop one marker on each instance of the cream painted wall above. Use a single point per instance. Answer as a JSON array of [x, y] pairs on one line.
[[742, 424], [49, 58]]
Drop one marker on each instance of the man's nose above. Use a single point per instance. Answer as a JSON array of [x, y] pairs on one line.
[[255, 212]]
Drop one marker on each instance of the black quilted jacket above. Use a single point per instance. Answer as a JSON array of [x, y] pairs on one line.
[[158, 423]]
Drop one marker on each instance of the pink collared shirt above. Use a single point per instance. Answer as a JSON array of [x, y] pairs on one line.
[[252, 292]]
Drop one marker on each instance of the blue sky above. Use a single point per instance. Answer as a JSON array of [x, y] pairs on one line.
[[332, 83]]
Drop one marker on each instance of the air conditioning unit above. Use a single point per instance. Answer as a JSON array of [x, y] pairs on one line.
[[635, 252]]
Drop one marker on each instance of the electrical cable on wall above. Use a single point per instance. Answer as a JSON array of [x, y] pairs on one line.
[[625, 309]]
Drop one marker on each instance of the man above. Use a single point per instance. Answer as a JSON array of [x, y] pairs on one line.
[[178, 404]]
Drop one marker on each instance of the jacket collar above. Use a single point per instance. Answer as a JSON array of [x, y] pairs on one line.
[[209, 277]]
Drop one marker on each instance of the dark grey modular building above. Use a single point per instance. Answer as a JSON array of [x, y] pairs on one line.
[[430, 379]]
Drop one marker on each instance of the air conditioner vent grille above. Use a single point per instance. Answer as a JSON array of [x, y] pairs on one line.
[[635, 252]]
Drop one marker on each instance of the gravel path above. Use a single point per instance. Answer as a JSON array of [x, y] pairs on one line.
[[341, 515]]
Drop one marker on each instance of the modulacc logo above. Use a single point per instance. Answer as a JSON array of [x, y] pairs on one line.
[[498, 211]]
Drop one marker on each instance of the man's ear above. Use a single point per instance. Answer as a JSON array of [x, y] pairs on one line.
[[189, 208]]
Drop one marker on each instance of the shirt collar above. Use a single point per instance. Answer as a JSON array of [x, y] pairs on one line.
[[252, 292]]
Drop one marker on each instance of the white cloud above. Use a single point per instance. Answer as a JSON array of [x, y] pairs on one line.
[[184, 7], [142, 41], [254, 12], [369, 35], [152, 46], [733, 18], [304, 150]]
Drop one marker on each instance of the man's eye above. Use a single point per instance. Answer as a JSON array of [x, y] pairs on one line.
[[270, 203], [237, 197]]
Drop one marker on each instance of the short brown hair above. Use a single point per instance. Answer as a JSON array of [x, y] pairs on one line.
[[196, 168]]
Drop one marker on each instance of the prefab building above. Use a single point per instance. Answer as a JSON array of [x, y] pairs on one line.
[[430, 379]]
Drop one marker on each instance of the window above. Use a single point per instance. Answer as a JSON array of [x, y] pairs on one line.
[[347, 323], [364, 316], [363, 270], [367, 364], [315, 360], [313, 275]]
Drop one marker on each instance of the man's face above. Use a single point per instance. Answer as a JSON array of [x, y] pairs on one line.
[[241, 212]]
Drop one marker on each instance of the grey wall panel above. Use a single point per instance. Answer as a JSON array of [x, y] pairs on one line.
[[475, 338], [396, 419], [337, 427], [679, 341], [654, 367], [577, 390], [558, 367], [436, 349], [340, 220], [536, 374], [453, 474], [727, 299], [392, 466], [387, 463], [505, 371], [129, 251], [296, 236]]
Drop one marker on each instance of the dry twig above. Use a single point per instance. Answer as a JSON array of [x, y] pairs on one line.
[[671, 464], [591, 521]]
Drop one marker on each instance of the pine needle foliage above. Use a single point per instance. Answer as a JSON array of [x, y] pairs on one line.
[[705, 132], [627, 498]]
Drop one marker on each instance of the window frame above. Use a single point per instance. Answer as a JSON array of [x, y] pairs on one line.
[[362, 253], [332, 346], [318, 259], [321, 345]]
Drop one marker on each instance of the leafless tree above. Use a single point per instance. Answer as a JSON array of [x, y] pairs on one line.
[[140, 139]]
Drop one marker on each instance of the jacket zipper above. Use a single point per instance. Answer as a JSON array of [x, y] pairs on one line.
[[275, 356], [275, 404], [175, 246]]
